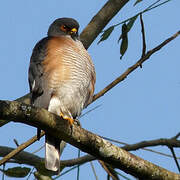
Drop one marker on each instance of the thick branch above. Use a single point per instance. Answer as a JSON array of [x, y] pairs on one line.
[[25, 157], [4, 151], [25, 99], [100, 20], [84, 140]]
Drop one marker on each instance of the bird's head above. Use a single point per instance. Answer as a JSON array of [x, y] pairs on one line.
[[64, 26]]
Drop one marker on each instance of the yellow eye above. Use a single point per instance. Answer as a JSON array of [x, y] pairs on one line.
[[63, 28]]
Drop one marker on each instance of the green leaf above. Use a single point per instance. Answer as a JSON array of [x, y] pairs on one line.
[[106, 34], [124, 30], [137, 1], [131, 22], [18, 172], [129, 25], [124, 43]]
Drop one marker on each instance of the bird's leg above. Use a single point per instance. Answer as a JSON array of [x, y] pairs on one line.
[[70, 120]]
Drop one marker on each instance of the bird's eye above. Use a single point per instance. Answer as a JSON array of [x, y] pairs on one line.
[[63, 28]]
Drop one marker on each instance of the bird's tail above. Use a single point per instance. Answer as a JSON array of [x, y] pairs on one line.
[[52, 153]]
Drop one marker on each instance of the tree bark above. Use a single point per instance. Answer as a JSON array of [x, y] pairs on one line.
[[100, 20], [84, 140]]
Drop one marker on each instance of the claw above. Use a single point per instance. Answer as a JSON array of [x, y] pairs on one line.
[[70, 120]]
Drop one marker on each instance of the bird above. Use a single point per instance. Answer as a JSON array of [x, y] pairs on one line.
[[61, 79]]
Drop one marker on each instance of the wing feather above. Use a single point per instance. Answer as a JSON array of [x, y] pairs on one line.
[[40, 96]]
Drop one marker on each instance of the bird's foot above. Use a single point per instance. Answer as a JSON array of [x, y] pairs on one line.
[[70, 120]]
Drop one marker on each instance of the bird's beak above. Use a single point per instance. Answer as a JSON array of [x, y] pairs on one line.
[[73, 31]]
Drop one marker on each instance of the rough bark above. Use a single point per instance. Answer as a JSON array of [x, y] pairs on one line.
[[30, 159], [100, 20], [84, 140]]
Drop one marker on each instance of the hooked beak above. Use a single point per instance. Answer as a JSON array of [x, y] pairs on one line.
[[73, 31]]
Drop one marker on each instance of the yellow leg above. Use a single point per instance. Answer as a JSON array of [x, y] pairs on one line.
[[70, 120]]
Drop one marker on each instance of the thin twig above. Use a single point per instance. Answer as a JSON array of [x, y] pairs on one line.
[[90, 111], [78, 161], [143, 144], [149, 8], [106, 168], [93, 169], [157, 152], [175, 158], [63, 173], [176, 136], [153, 4], [78, 168], [158, 5], [133, 67], [108, 177], [30, 173], [123, 176], [34, 152], [3, 171], [16, 142], [20, 148], [143, 37]]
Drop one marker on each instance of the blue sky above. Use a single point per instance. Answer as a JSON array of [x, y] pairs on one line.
[[144, 106]]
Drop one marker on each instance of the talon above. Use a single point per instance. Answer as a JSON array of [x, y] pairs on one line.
[[70, 120]]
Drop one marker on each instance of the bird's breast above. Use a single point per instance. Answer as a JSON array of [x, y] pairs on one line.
[[68, 68]]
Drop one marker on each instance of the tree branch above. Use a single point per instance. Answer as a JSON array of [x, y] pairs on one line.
[[110, 171], [157, 142], [24, 99], [20, 148], [171, 142], [143, 37], [175, 158], [135, 66], [142, 145], [84, 140], [100, 20], [23, 157], [30, 159]]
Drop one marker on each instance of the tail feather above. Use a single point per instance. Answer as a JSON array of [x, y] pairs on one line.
[[52, 153]]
